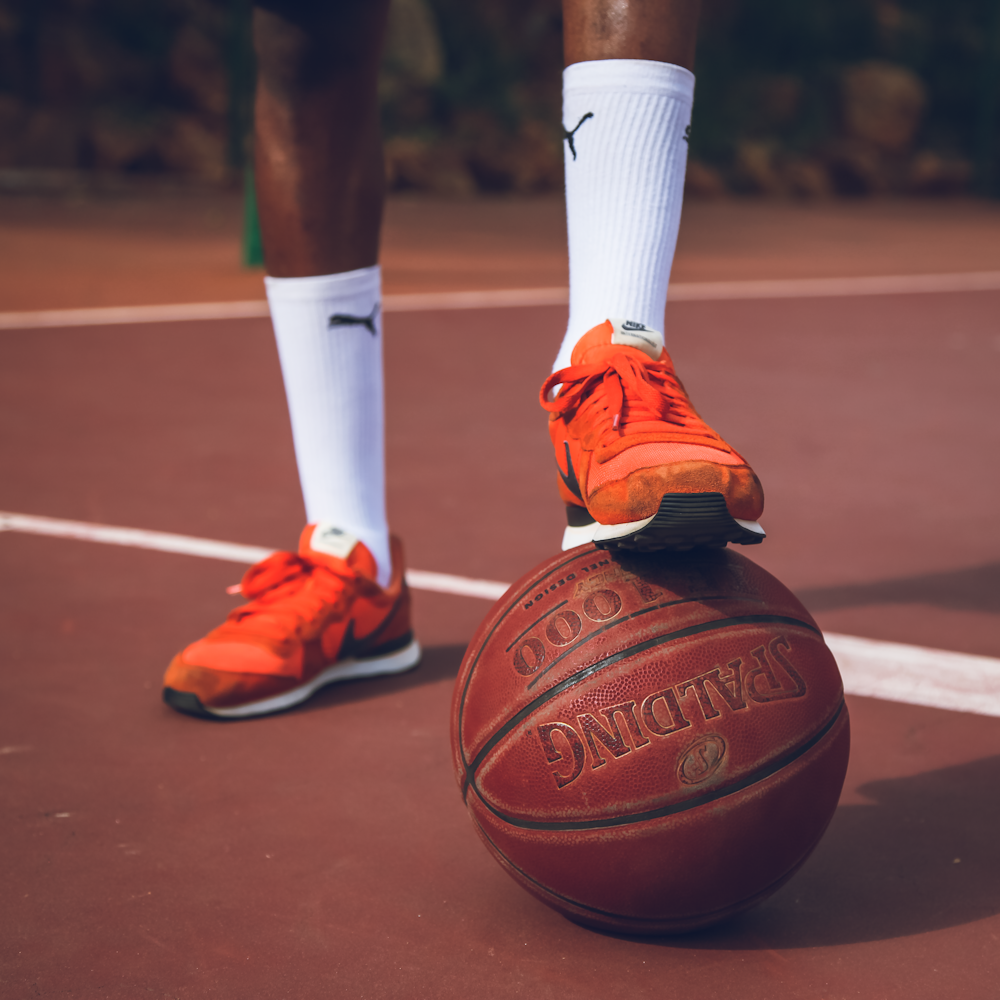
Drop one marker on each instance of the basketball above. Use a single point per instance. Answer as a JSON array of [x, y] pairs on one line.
[[649, 743]]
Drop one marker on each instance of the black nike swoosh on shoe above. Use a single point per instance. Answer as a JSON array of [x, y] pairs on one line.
[[570, 481], [349, 646], [345, 319], [368, 645]]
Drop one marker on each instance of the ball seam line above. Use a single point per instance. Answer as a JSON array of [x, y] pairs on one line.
[[581, 675], [479, 653], [675, 807]]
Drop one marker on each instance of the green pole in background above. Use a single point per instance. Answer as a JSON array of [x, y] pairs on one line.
[[253, 248], [240, 70]]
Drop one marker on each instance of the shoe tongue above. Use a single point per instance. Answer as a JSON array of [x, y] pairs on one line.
[[600, 343], [329, 545]]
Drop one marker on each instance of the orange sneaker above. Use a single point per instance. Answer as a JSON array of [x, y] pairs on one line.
[[313, 618], [638, 468]]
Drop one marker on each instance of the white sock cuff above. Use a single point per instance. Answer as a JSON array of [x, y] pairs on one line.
[[363, 283], [629, 76]]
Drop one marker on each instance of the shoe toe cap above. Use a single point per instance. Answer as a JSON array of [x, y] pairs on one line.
[[639, 494], [227, 675]]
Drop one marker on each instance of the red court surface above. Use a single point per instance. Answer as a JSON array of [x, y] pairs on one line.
[[326, 852], [60, 253]]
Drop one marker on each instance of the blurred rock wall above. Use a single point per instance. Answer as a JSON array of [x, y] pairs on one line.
[[828, 97], [850, 97], [113, 85]]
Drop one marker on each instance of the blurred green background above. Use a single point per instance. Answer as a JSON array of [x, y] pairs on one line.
[[794, 97]]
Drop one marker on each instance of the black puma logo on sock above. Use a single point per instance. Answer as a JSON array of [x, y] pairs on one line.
[[345, 319], [569, 135], [687, 134]]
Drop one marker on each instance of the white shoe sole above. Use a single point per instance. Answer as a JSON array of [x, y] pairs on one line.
[[343, 670]]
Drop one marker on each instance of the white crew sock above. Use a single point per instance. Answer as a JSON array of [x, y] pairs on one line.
[[628, 120], [329, 334]]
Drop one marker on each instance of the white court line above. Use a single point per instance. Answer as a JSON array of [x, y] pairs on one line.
[[116, 315], [916, 675], [464, 586], [208, 548], [891, 671], [138, 538], [808, 288], [499, 298], [692, 291]]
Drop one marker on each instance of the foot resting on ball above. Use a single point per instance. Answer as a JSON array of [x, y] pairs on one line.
[[313, 618], [638, 468]]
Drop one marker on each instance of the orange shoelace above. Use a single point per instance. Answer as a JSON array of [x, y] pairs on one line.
[[622, 391], [288, 595]]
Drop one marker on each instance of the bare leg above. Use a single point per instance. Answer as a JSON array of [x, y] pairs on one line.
[[318, 151], [320, 176], [660, 30]]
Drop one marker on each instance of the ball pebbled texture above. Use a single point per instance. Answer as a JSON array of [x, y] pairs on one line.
[[649, 743]]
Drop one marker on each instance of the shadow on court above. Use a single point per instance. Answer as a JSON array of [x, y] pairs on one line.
[[976, 588], [883, 870], [921, 857], [438, 663]]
